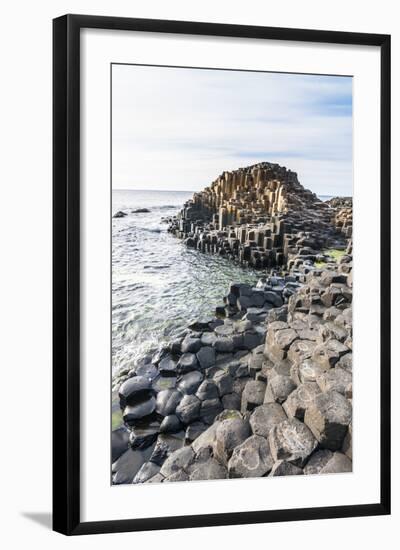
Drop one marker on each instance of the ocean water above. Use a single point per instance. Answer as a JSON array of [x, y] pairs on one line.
[[159, 285]]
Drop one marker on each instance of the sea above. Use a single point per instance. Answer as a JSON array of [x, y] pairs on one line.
[[158, 285]]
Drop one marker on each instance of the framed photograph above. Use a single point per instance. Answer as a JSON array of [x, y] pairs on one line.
[[221, 274]]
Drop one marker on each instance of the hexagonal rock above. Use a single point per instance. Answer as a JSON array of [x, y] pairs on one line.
[[337, 379], [207, 390], [229, 434], [187, 363], [283, 468], [190, 344], [147, 471], [179, 459], [317, 461], [133, 390], [231, 401], [280, 387], [167, 365], [301, 398], [209, 409], [194, 430], [206, 357], [328, 354], [205, 440], [188, 409], [132, 413], [189, 382], [252, 458], [328, 419], [292, 441], [167, 401], [308, 371], [119, 442], [179, 475], [346, 361], [253, 395], [170, 424], [265, 417], [211, 469], [338, 463], [224, 382], [256, 362], [301, 350], [332, 331]]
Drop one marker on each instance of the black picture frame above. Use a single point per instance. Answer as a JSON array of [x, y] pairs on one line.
[[66, 273]]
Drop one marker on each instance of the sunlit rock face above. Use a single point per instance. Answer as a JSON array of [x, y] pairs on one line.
[[260, 215]]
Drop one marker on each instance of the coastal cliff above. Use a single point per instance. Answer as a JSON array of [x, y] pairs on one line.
[[263, 387]]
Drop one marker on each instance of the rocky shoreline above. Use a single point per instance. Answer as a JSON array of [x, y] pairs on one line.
[[263, 388]]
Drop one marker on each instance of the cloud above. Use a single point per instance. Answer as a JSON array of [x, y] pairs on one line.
[[177, 128]]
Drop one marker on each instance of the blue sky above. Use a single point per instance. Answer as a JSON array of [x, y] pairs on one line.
[[178, 129]]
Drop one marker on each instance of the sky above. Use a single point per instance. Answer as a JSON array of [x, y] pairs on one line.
[[180, 128]]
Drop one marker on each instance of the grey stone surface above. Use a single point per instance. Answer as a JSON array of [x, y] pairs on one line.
[[229, 434], [328, 418], [292, 441], [253, 395], [265, 417], [252, 458]]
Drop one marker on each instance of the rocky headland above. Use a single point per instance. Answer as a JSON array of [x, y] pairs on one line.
[[263, 387]]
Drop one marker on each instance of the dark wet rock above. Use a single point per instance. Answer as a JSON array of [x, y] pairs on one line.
[[140, 211], [252, 458], [188, 409], [207, 390], [119, 442], [251, 340], [187, 363], [167, 365], [143, 436], [132, 413], [224, 345], [229, 434], [284, 468], [301, 398], [120, 214], [291, 440], [147, 371], [147, 471], [211, 469], [328, 418], [128, 464], [206, 357], [317, 461], [163, 383], [265, 417], [279, 388], [231, 401], [194, 430], [253, 395], [224, 382], [167, 401], [209, 410], [190, 344], [165, 445], [189, 382], [134, 390], [208, 339], [179, 459], [170, 424]]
